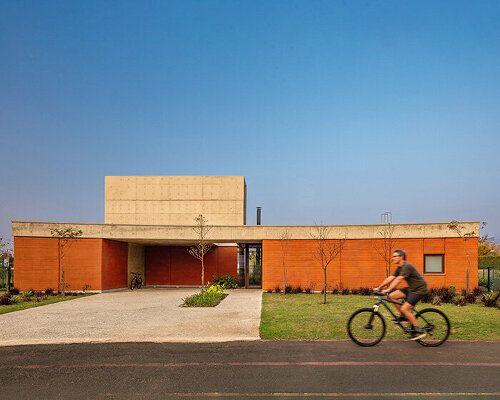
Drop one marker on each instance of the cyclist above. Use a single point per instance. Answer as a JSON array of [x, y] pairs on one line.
[[416, 290]]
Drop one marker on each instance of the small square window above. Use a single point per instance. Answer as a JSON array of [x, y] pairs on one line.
[[433, 264]]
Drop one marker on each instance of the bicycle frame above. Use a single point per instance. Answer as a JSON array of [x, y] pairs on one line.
[[383, 301]]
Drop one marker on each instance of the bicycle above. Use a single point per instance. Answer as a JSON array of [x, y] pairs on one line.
[[366, 326], [136, 281]]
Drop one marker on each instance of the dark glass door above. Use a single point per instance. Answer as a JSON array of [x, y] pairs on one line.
[[250, 265]]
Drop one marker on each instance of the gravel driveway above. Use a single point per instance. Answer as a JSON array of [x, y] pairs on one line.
[[146, 315]]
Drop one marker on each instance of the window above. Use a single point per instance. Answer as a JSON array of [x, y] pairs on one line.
[[433, 264]]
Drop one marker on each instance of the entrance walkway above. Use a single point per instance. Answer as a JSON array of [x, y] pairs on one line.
[[145, 315]]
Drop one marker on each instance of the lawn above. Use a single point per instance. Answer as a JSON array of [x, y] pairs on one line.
[[302, 316], [22, 305]]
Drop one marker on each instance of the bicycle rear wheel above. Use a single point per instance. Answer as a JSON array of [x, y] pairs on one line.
[[139, 283], [435, 324], [132, 284], [366, 327]]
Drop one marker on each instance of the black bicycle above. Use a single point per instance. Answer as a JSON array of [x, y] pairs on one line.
[[136, 281], [366, 327]]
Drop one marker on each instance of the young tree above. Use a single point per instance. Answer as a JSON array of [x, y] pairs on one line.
[[386, 246], [485, 247], [202, 245], [66, 238], [285, 239], [5, 252], [325, 250], [459, 229], [4, 249]]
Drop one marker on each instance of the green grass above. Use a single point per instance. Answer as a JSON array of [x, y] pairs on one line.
[[23, 305], [302, 316]]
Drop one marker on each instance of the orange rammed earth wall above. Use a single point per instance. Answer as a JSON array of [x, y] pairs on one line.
[[360, 265], [37, 264], [175, 266], [114, 264]]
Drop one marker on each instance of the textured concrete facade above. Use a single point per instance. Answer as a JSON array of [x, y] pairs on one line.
[[175, 200], [185, 235]]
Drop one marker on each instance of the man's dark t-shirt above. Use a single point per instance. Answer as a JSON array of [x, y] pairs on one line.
[[416, 283]]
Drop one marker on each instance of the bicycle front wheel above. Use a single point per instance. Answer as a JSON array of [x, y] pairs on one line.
[[435, 324], [132, 284], [139, 283], [366, 327]]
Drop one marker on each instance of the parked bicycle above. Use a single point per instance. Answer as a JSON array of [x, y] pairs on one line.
[[136, 281], [366, 326]]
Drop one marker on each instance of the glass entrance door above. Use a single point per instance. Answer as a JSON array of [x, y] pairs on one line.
[[250, 265]]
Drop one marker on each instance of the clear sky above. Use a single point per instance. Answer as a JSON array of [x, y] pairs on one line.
[[334, 111]]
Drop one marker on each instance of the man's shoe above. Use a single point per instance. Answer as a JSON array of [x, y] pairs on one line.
[[417, 333], [400, 319]]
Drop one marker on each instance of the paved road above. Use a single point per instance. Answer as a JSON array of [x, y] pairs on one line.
[[251, 370]]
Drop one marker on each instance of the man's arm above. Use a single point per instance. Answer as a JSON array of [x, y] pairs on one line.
[[386, 281], [394, 283]]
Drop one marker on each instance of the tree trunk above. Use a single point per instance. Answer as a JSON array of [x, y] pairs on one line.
[[324, 288], [202, 275], [63, 281], [284, 281]]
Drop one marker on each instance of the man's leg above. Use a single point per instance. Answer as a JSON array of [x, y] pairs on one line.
[[406, 310], [397, 295]]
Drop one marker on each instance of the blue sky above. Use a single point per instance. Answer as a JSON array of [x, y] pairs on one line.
[[334, 111]]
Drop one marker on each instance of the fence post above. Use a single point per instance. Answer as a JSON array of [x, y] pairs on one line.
[[489, 286]]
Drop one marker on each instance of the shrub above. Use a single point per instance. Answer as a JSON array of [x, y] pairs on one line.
[[269, 290], [470, 298], [5, 300], [355, 291], [477, 291], [364, 291], [27, 294], [14, 291], [446, 295], [49, 292], [226, 281], [210, 297], [436, 301], [461, 301], [288, 289], [489, 299], [277, 289], [308, 290], [15, 299], [346, 291], [335, 291]]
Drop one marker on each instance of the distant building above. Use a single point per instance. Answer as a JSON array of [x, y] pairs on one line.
[[149, 225]]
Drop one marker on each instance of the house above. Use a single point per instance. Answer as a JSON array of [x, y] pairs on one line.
[[149, 226]]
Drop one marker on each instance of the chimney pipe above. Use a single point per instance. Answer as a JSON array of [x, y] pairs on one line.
[[259, 209]]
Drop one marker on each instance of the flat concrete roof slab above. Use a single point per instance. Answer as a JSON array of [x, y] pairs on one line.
[[145, 315]]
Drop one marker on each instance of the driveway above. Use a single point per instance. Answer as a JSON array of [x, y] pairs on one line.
[[146, 315]]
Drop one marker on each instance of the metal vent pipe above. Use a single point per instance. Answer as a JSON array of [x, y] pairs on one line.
[[259, 210]]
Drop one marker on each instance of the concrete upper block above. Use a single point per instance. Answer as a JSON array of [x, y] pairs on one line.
[[167, 200]]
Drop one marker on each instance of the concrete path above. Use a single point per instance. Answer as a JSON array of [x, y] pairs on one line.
[[146, 315]]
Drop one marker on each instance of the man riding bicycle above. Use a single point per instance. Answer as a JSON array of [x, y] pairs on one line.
[[415, 291]]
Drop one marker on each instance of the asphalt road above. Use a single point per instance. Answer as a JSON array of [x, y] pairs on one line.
[[251, 370]]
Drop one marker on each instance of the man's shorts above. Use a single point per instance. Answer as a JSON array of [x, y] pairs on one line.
[[411, 297]]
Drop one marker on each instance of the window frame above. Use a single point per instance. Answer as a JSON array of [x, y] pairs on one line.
[[442, 264]]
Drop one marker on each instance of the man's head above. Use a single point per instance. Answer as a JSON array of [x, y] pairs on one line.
[[398, 257]]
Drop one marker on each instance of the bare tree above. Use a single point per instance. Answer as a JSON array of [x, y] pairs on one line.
[[202, 245], [66, 238], [325, 250], [386, 246], [459, 229], [285, 240]]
